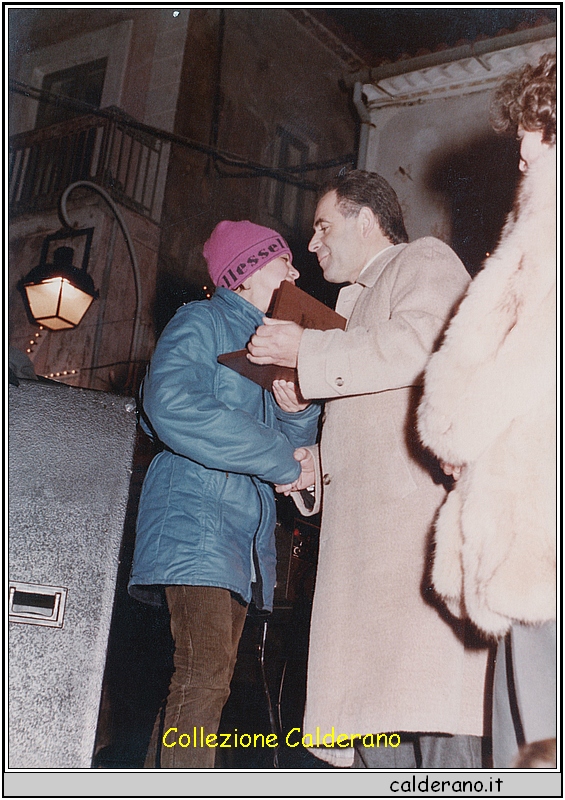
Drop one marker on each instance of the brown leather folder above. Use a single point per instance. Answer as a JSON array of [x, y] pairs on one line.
[[293, 305]]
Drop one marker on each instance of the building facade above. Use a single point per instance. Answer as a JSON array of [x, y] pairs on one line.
[[426, 129], [182, 118]]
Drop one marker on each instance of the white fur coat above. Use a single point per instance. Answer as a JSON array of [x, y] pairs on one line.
[[490, 405]]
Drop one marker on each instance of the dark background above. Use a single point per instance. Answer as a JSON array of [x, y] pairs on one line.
[[388, 33]]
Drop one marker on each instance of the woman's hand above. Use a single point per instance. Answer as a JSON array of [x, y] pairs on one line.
[[288, 396]]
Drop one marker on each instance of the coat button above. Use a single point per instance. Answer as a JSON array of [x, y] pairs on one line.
[[326, 480], [339, 381]]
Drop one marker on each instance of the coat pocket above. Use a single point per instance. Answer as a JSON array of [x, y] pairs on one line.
[[214, 486]]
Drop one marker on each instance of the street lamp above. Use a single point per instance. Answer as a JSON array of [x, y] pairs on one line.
[[59, 294]]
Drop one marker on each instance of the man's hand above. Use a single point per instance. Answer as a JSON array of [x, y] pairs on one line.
[[307, 475], [288, 396], [275, 342], [451, 469]]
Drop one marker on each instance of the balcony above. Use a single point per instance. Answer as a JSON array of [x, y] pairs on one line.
[[129, 164]]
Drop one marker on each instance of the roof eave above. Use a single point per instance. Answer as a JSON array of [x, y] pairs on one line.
[[471, 50]]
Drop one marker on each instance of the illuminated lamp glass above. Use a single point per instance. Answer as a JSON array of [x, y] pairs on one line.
[[59, 294]]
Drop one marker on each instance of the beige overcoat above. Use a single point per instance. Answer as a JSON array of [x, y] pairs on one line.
[[382, 657]]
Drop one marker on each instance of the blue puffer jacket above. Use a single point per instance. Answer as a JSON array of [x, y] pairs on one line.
[[207, 512]]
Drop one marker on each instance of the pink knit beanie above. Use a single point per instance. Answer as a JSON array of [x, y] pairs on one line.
[[236, 250]]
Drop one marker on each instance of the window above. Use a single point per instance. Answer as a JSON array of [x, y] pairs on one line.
[[83, 82], [288, 199]]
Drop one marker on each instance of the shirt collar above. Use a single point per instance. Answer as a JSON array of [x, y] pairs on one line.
[[374, 267]]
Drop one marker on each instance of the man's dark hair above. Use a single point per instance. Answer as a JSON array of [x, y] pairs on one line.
[[359, 188]]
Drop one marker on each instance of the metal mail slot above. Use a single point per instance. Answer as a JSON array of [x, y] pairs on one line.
[[35, 604]]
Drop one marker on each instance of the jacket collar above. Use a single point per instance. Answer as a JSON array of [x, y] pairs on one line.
[[243, 308], [370, 274]]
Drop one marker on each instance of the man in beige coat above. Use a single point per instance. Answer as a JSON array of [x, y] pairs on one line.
[[383, 658]]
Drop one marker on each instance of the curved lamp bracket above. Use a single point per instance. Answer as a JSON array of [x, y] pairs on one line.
[[63, 216]]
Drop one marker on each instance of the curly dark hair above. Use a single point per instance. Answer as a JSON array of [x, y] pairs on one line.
[[527, 99], [358, 188]]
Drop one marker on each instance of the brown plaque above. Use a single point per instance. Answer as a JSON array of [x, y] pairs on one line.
[[293, 305], [263, 374]]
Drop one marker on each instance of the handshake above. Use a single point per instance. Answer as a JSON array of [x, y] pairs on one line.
[[279, 342], [307, 475]]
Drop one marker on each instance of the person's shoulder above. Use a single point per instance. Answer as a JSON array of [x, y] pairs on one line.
[[409, 255], [430, 245], [193, 315], [195, 310], [435, 252]]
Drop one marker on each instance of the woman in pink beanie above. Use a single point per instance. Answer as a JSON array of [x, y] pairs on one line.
[[205, 527]]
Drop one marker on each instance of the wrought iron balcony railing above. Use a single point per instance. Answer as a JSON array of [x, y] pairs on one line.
[[128, 163]]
